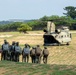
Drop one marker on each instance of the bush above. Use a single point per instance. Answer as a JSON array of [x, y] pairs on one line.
[[24, 28]]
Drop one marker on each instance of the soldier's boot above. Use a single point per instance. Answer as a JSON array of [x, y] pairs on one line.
[[43, 60], [46, 60]]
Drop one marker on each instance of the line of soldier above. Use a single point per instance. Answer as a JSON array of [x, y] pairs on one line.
[[12, 53]]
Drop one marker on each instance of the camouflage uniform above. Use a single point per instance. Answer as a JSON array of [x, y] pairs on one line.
[[38, 54], [25, 53], [5, 49], [17, 52], [12, 49], [45, 55], [33, 54]]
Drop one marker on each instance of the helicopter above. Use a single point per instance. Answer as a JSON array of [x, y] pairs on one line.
[[57, 36]]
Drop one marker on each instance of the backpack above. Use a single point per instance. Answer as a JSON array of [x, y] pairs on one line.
[[33, 52], [45, 52], [26, 50], [12, 48], [38, 51], [5, 47], [17, 49]]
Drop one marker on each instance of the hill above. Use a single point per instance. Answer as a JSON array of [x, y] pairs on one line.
[[5, 22], [14, 20]]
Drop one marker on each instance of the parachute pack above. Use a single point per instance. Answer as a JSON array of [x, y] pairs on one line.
[[26, 50], [17, 49], [6, 47], [33, 52], [46, 52]]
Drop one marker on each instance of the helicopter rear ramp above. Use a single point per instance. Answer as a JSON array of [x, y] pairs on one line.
[[50, 40]]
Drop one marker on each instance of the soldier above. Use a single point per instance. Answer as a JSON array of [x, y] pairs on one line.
[[25, 53], [45, 54], [38, 54], [17, 52], [28, 45], [12, 49], [33, 54], [5, 49], [9, 52]]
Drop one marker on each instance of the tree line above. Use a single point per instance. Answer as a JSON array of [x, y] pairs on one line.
[[69, 19]]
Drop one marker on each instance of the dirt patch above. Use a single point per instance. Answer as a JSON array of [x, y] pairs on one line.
[[5, 36], [2, 71]]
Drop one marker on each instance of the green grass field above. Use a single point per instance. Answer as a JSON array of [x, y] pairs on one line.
[[15, 68], [61, 60]]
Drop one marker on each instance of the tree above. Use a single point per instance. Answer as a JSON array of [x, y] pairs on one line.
[[54, 17], [71, 11], [37, 24], [44, 18], [24, 28]]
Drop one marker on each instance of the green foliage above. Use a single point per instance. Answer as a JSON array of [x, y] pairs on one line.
[[37, 24], [71, 11], [54, 17], [63, 20], [10, 27], [24, 28], [44, 18]]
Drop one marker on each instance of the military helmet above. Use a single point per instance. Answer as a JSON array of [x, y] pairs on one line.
[[38, 45], [33, 47], [13, 42], [45, 47]]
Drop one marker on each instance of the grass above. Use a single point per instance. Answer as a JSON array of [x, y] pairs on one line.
[[17, 68], [60, 55]]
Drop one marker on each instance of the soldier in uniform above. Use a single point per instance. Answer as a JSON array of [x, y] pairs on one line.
[[5, 49], [33, 54], [38, 54], [26, 53], [45, 55], [17, 52], [12, 49]]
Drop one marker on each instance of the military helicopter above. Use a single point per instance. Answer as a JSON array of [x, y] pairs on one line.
[[57, 36]]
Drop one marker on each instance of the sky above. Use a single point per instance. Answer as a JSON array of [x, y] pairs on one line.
[[32, 9]]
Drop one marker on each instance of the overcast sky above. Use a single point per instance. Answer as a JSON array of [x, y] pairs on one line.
[[32, 9]]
